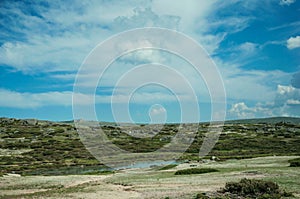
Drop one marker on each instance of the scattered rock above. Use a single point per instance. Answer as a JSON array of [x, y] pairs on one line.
[[12, 175]]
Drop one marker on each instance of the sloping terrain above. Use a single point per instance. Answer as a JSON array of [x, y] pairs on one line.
[[32, 147]]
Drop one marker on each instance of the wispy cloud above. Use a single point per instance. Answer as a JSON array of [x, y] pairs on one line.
[[251, 85], [287, 25], [27, 100], [33, 100], [286, 2], [57, 37]]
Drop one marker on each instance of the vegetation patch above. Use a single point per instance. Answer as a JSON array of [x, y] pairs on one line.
[[33, 147], [253, 188], [201, 196], [295, 162], [170, 166], [104, 172], [195, 171]]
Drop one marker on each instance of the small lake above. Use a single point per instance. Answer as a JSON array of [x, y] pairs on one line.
[[77, 170], [149, 164]]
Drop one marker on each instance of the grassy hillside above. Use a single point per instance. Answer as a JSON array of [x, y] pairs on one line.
[[32, 147]]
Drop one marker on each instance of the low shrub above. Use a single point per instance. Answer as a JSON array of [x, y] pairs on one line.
[[201, 196], [295, 162], [253, 188], [195, 171]]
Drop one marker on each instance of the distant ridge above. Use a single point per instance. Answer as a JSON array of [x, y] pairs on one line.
[[269, 120]]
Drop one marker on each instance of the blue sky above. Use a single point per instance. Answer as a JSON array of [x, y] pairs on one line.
[[255, 45]]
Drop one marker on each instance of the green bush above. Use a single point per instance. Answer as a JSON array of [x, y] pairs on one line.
[[295, 162], [253, 188], [195, 171], [201, 196]]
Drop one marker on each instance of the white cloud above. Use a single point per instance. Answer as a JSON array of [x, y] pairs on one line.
[[285, 90], [60, 36], [240, 84], [294, 25], [240, 54], [32, 100], [286, 95], [248, 47], [64, 77], [44, 54], [157, 110], [190, 12], [293, 42], [143, 56], [14, 99], [241, 110], [252, 85], [287, 2], [60, 39], [158, 114], [286, 103], [293, 102]]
